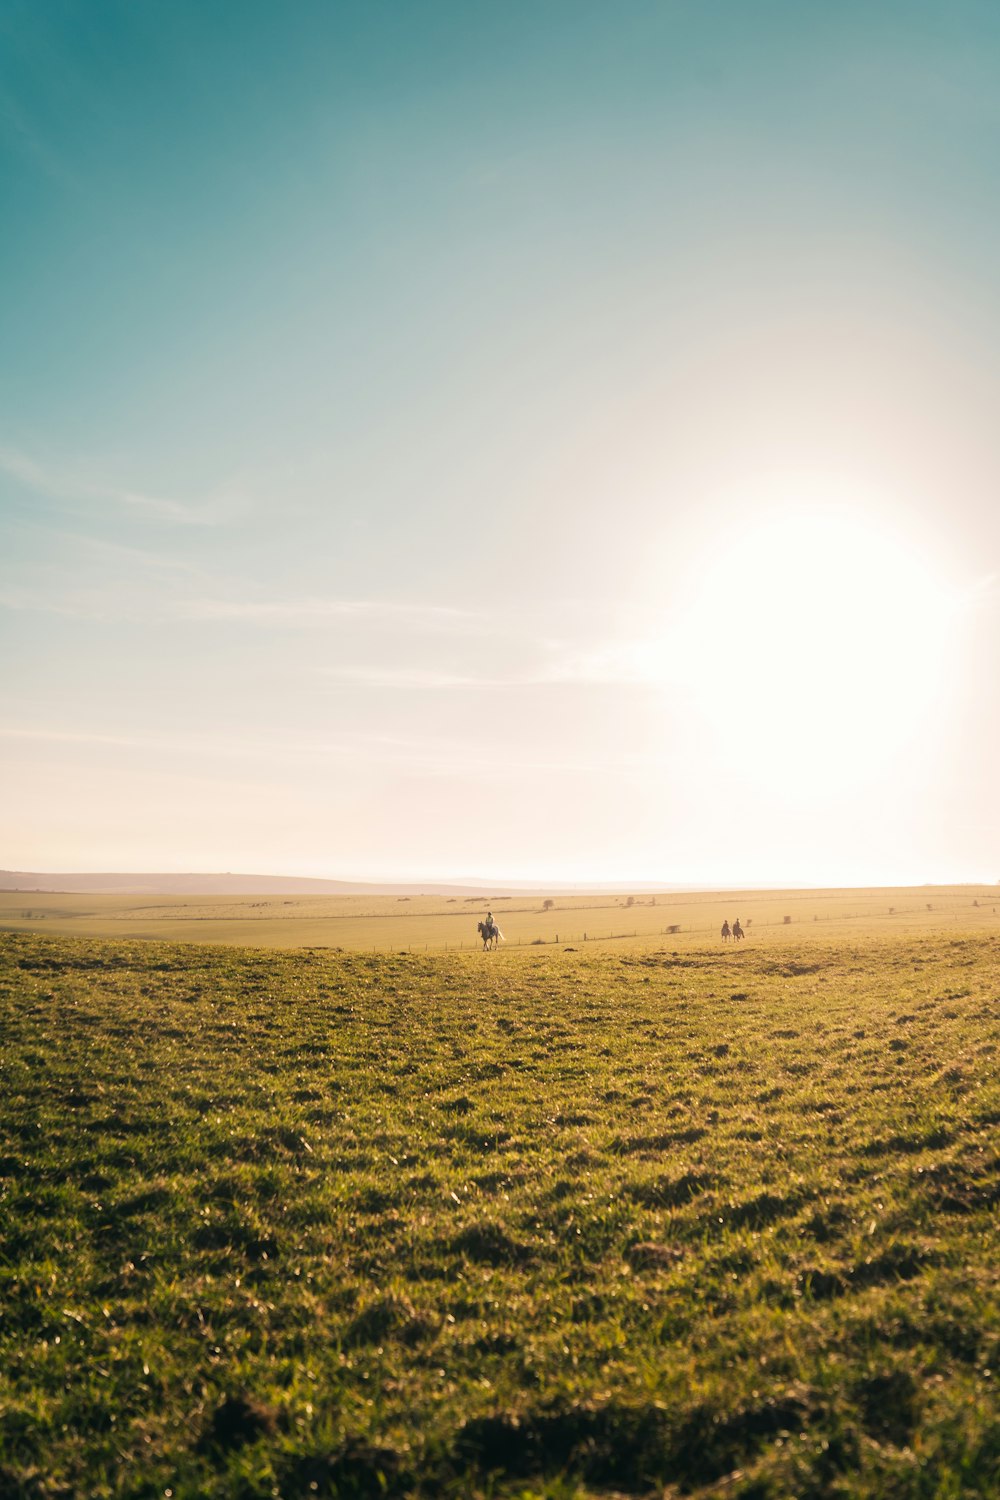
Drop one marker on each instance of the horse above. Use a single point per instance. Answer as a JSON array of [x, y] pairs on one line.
[[737, 930], [490, 934], [726, 934]]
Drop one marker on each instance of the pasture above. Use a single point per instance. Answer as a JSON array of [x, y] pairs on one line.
[[437, 923], [657, 1217]]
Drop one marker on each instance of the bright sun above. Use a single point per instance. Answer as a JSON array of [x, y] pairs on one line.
[[814, 648]]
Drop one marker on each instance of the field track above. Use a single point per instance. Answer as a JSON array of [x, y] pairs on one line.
[[660, 1218]]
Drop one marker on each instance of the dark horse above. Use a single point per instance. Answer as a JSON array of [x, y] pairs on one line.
[[737, 930], [490, 934], [726, 934]]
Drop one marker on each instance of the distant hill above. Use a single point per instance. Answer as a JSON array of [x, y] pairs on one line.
[[223, 885]]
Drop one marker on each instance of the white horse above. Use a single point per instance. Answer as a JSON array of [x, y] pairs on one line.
[[490, 934]]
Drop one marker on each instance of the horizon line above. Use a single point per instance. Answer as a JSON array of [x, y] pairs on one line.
[[520, 883]]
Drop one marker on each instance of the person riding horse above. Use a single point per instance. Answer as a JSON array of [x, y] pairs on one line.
[[737, 930], [489, 931], [726, 934]]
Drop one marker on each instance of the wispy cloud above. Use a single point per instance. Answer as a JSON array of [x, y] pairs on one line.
[[75, 485], [629, 663], [72, 605], [644, 661], [418, 755], [93, 579], [31, 143], [69, 737], [426, 678], [982, 593], [303, 613], [102, 548]]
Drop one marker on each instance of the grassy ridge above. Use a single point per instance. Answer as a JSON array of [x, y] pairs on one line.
[[544, 1223]]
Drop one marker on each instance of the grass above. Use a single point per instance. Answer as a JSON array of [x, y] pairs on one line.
[[618, 1221], [386, 924]]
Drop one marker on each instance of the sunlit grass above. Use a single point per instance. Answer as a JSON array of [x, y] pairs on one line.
[[551, 1223]]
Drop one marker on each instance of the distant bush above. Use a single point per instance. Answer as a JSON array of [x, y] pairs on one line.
[[786, 920]]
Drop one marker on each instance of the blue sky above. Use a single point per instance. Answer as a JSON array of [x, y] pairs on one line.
[[405, 410]]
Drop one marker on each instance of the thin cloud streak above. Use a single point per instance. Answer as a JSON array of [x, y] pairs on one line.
[[31, 143], [291, 614], [981, 594], [305, 613], [70, 737], [633, 663], [122, 552], [23, 601], [55, 589], [426, 679], [418, 756], [59, 484]]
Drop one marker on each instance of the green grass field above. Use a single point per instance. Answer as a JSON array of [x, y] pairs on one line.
[[637, 1219], [436, 923]]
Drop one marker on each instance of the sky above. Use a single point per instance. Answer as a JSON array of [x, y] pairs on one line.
[[542, 441]]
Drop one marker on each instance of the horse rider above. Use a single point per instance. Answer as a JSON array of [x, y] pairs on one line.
[[490, 924], [725, 930]]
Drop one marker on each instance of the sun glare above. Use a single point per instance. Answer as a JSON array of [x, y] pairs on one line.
[[814, 648]]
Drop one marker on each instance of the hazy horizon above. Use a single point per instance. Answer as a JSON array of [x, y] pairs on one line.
[[557, 441], [509, 881]]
